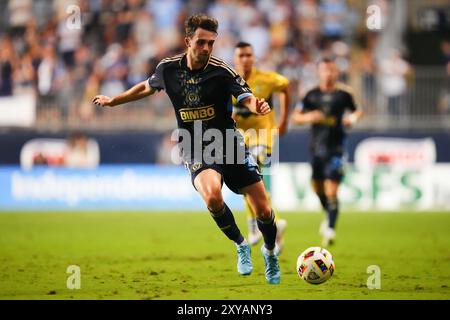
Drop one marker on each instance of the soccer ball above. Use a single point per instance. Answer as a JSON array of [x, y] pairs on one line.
[[315, 265]]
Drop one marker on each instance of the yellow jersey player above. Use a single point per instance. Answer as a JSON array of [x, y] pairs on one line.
[[263, 84]]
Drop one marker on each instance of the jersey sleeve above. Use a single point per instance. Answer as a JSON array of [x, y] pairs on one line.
[[236, 85], [279, 82], [351, 103], [306, 104], [156, 80]]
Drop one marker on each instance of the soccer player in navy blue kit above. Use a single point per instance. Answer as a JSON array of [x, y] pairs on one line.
[[324, 107], [200, 87]]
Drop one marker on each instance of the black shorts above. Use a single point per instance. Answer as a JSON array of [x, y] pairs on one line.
[[235, 176], [328, 168]]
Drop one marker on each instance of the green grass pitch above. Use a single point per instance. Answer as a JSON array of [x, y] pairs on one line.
[[184, 256]]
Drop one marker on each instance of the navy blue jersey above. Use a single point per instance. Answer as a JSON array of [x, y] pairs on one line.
[[203, 95], [328, 136]]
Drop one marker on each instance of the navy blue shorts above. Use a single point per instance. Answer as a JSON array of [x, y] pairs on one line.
[[235, 176], [328, 168]]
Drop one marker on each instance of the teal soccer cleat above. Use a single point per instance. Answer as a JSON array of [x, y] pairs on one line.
[[244, 264], [273, 272]]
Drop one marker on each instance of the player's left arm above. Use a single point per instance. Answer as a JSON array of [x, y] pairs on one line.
[[243, 94], [356, 113], [138, 91], [256, 105], [281, 84], [285, 100], [350, 119]]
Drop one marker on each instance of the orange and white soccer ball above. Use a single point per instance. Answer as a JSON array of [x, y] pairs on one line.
[[315, 265]]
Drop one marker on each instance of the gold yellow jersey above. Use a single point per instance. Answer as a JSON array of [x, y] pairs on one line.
[[263, 84]]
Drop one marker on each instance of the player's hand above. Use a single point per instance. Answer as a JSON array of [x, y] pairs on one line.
[[316, 116], [102, 101], [262, 107], [347, 122]]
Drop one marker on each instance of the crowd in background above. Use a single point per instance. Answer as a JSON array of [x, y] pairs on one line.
[[119, 43]]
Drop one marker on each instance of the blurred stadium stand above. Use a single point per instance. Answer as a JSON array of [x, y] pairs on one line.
[[401, 73], [51, 67]]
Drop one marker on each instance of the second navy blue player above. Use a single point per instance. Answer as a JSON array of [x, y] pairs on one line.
[[324, 107]]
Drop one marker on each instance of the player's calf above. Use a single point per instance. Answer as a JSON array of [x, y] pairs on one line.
[[268, 228], [225, 221], [333, 211], [214, 201]]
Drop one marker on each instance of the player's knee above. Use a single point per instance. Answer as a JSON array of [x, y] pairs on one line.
[[214, 201], [264, 212], [330, 194]]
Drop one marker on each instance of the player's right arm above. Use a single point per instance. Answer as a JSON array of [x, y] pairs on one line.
[[281, 84], [242, 92], [310, 117], [139, 91], [306, 113], [285, 99]]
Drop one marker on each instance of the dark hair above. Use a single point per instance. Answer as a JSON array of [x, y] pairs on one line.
[[326, 60], [200, 21], [243, 44]]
